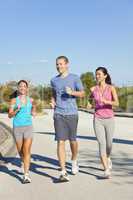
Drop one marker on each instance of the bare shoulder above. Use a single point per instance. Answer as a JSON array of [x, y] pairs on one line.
[[31, 99], [112, 87]]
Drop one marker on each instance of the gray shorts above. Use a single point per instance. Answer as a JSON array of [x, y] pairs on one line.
[[23, 132], [65, 127]]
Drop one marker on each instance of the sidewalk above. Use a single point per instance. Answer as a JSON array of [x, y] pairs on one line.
[[88, 184]]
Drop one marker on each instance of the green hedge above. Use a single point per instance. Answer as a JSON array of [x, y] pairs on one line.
[[4, 107]]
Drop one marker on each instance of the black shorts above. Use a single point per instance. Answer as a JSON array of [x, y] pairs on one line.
[[65, 127]]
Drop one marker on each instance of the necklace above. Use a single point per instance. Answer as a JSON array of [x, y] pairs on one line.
[[102, 91]]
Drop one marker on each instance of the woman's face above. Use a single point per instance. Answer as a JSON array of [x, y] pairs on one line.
[[22, 88], [100, 76]]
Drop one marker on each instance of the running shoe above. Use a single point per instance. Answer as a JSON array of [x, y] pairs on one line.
[[63, 177], [75, 167], [107, 174], [26, 178]]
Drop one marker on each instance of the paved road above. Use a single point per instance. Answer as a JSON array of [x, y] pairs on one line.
[[88, 184]]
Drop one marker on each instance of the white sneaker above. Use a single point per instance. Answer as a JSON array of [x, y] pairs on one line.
[[9, 166], [26, 178], [107, 173], [64, 176], [75, 167], [109, 163]]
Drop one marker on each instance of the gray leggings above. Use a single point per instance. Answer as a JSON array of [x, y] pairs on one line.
[[104, 129]]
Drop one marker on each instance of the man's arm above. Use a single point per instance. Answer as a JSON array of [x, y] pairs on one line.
[[53, 99], [80, 94], [78, 91], [53, 103]]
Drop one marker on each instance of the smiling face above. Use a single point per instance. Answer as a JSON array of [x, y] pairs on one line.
[[100, 76], [23, 88], [61, 65]]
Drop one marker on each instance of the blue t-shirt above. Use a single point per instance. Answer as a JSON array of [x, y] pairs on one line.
[[66, 104]]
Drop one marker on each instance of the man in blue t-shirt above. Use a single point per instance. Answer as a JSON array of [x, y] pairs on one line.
[[66, 88]]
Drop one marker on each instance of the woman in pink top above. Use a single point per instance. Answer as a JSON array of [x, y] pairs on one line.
[[104, 96]]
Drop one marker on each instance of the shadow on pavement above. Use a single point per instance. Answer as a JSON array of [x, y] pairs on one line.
[[10, 172], [115, 140], [122, 165], [6, 162], [38, 168]]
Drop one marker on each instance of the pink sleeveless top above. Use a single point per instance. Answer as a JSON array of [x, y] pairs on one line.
[[102, 110]]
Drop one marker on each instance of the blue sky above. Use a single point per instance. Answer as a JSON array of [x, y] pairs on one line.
[[91, 33]]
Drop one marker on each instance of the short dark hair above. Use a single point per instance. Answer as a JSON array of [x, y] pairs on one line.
[[23, 81], [63, 57]]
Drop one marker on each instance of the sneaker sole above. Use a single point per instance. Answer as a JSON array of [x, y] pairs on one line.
[[63, 180], [26, 182], [107, 177], [74, 173]]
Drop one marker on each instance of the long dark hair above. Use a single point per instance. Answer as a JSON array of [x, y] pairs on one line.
[[14, 94], [105, 71]]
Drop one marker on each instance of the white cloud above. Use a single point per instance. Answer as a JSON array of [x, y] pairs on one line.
[[9, 63], [6, 62], [43, 61]]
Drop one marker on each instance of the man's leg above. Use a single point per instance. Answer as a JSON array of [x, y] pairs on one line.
[[74, 149], [72, 122], [61, 153], [61, 136]]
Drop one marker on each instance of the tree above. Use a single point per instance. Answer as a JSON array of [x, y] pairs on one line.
[[88, 81]]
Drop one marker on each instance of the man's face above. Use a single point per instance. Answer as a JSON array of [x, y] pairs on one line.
[[61, 66]]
